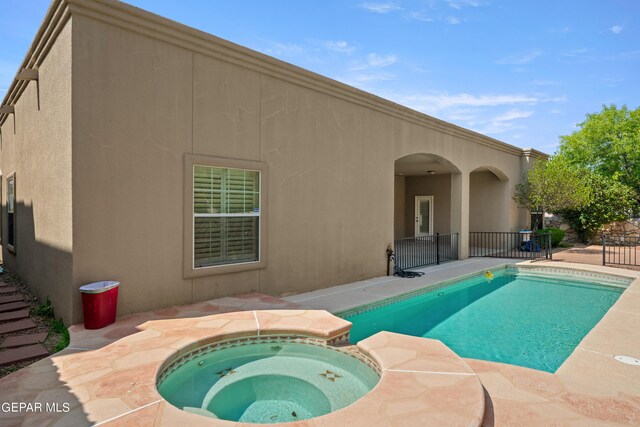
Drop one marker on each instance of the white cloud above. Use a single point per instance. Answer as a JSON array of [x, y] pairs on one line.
[[523, 58], [512, 115], [380, 7], [560, 30], [459, 4], [492, 123], [378, 61], [575, 52], [494, 128], [420, 16], [441, 101], [373, 60], [452, 20], [545, 82], [369, 77], [339, 46], [284, 49], [500, 123], [612, 81], [484, 113], [616, 29], [625, 55]]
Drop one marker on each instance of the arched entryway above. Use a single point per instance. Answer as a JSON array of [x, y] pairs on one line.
[[426, 203], [489, 200], [422, 195]]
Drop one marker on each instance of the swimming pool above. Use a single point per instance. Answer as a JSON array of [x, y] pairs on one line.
[[520, 316]]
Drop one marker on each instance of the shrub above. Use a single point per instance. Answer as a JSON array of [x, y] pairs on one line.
[[556, 235], [44, 309], [611, 201]]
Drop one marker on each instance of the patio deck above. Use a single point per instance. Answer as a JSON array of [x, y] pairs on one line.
[[590, 388]]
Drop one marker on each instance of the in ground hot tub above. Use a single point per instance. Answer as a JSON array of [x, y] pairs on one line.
[[267, 379]]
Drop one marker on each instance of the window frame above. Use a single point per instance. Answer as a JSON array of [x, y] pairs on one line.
[[189, 270], [11, 247], [2, 209]]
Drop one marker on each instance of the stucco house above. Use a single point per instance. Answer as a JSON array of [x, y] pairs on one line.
[[137, 149]]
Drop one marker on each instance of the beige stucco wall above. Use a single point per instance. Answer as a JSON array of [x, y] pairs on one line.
[[38, 150], [142, 103], [135, 117], [489, 201], [145, 93], [438, 186], [399, 200], [132, 109]]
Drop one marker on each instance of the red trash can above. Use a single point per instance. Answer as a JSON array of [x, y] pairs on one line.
[[99, 303]]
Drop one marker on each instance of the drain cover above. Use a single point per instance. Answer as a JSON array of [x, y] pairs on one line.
[[628, 360]]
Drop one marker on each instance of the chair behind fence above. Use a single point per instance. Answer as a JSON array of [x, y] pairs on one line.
[[519, 244]]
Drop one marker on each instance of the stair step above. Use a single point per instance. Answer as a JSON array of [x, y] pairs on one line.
[[3, 284], [7, 289], [21, 340], [14, 315], [17, 326], [13, 306], [11, 298], [21, 354]]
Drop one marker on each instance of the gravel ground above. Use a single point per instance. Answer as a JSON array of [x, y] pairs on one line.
[[43, 323]]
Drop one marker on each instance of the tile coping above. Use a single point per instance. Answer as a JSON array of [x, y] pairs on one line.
[[174, 363], [316, 327]]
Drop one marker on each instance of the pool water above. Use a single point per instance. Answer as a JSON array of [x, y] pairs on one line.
[[519, 318], [268, 382]]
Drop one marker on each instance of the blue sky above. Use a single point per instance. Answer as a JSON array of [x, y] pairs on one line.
[[523, 72]]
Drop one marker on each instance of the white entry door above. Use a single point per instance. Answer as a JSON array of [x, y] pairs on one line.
[[424, 215]]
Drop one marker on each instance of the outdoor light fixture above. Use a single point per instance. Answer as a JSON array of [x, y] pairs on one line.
[[431, 172]]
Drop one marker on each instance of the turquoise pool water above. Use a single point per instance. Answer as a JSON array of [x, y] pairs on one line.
[[268, 383], [519, 318]]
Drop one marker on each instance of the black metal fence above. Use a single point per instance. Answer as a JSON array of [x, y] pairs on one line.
[[413, 252], [620, 249], [521, 244]]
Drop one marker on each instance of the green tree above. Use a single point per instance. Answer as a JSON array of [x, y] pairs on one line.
[[610, 201], [607, 143], [552, 186]]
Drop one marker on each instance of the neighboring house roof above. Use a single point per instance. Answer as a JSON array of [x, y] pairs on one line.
[[143, 22]]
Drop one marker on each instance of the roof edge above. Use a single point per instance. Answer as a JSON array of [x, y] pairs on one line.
[[54, 21], [532, 152], [143, 22]]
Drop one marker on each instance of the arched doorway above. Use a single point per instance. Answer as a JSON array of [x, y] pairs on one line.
[[488, 200], [425, 189]]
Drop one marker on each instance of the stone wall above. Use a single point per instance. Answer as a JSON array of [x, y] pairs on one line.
[[629, 227], [557, 221]]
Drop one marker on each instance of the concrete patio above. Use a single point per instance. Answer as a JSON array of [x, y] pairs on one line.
[[590, 388]]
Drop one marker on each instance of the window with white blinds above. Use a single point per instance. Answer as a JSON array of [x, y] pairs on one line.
[[226, 216]]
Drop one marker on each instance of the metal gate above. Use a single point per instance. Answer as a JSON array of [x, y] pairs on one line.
[[505, 244], [420, 251], [620, 249]]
